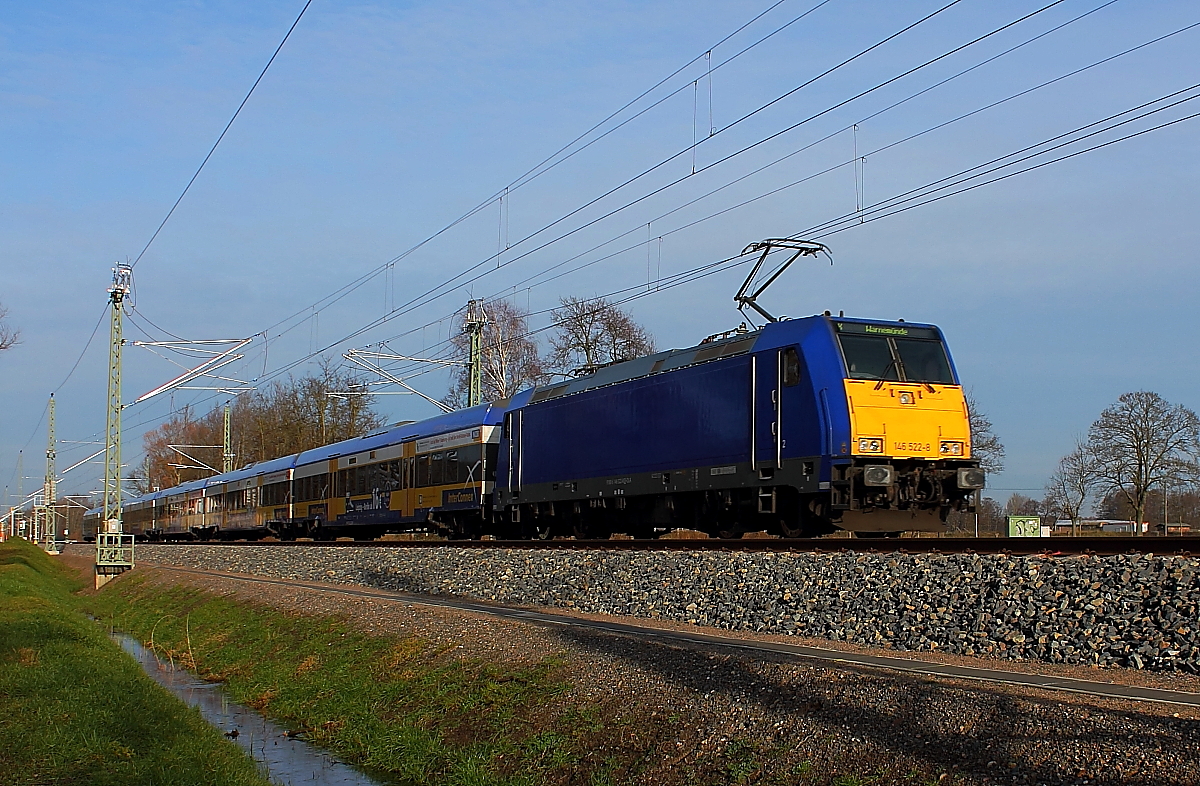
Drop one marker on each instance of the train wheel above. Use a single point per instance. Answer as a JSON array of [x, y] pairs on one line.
[[729, 528], [792, 528]]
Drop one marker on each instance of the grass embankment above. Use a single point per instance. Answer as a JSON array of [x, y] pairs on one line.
[[403, 707], [75, 709]]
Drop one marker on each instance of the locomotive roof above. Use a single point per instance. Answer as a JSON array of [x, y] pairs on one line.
[[729, 345], [668, 360]]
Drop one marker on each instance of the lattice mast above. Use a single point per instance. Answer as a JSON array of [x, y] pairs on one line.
[[50, 484], [122, 280], [227, 451], [20, 492], [473, 325]]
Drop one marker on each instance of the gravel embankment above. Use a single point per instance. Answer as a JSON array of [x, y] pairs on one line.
[[721, 717], [1138, 611]]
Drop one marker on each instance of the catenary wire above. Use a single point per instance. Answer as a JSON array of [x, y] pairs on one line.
[[405, 308], [425, 297], [994, 58], [948, 181], [525, 177], [222, 136], [323, 349], [420, 299], [741, 178], [537, 171], [1005, 176], [79, 359], [429, 295]]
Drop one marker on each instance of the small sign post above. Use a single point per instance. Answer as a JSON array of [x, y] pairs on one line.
[[114, 556], [1025, 526]]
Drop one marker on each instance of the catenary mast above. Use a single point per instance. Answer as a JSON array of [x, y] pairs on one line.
[[122, 279], [114, 549], [49, 485]]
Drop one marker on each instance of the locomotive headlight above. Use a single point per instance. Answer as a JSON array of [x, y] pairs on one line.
[[870, 445], [952, 448], [877, 475]]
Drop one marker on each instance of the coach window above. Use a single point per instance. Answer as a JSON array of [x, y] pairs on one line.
[[422, 471], [791, 367], [468, 463], [381, 478], [436, 464], [450, 473]]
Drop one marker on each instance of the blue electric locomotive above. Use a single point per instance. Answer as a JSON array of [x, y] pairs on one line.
[[799, 428]]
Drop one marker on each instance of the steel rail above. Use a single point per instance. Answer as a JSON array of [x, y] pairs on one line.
[[1056, 546]]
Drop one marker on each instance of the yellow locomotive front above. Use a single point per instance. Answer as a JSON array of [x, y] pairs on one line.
[[910, 435]]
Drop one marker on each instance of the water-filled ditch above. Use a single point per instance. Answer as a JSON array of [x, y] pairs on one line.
[[286, 760]]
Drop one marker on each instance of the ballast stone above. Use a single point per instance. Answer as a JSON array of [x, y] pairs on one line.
[[1138, 611]]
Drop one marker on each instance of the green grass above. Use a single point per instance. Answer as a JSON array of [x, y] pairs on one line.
[[402, 707], [75, 709]]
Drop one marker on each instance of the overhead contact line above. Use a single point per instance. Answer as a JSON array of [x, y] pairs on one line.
[[440, 291], [708, 269], [537, 170]]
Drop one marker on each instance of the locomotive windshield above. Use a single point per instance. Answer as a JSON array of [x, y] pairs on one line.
[[869, 357], [895, 358], [923, 361]]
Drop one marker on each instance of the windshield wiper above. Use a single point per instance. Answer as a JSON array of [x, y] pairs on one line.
[[883, 377]]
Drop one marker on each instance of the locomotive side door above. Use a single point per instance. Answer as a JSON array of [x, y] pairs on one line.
[[766, 411], [513, 422]]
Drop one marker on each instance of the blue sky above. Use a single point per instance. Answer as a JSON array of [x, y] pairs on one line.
[[379, 124]]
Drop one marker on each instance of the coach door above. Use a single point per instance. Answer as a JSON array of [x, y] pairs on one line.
[[766, 428]]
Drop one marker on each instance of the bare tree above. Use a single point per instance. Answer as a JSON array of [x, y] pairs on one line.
[[1071, 486], [163, 466], [287, 417], [508, 356], [1021, 505], [985, 444], [9, 336], [590, 333], [1143, 441], [990, 518]]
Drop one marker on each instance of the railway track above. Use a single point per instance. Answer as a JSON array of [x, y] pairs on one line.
[[1100, 546]]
